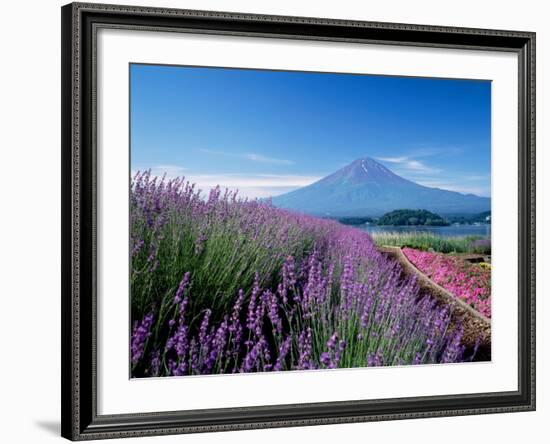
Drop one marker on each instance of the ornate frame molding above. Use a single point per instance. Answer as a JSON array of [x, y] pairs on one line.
[[80, 21]]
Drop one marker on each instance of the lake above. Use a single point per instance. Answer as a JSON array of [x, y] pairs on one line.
[[450, 231]]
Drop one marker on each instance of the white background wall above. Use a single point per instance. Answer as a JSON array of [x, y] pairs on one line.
[[30, 220]]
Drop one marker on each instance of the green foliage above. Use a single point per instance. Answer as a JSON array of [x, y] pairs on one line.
[[355, 220], [429, 241], [412, 217]]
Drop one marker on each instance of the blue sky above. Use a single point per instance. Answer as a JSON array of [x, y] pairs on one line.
[[269, 132]]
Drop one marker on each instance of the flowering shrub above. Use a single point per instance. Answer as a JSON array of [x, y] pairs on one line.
[[481, 246], [223, 285], [469, 282]]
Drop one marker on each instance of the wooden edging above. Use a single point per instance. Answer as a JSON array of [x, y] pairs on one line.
[[474, 323]]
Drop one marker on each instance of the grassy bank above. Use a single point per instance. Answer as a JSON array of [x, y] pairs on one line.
[[429, 241]]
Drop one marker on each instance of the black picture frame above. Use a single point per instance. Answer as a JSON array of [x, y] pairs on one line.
[[78, 333]]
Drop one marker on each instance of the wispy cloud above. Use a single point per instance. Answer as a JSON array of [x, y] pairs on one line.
[[264, 159], [456, 186], [252, 180], [478, 177], [410, 164], [249, 185], [171, 171], [400, 159], [254, 157], [439, 151], [416, 166]]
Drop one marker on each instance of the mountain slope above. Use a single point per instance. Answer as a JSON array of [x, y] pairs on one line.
[[367, 188]]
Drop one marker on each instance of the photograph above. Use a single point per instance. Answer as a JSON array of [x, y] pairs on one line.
[[292, 220]]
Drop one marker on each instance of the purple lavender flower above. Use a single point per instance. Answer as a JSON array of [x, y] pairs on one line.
[[305, 349], [288, 278], [251, 360], [455, 349], [155, 363], [252, 321], [273, 311], [204, 326], [140, 335], [284, 349], [375, 359], [183, 286], [326, 359], [137, 247], [219, 342], [235, 329]]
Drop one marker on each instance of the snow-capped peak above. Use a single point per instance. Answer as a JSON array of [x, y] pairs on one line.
[[364, 167]]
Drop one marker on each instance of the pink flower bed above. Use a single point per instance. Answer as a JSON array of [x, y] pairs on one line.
[[466, 281]]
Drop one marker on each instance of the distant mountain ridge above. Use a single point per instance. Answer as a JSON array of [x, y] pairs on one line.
[[367, 188]]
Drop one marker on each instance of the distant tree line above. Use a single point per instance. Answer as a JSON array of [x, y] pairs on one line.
[[484, 218], [412, 217], [356, 220], [418, 217]]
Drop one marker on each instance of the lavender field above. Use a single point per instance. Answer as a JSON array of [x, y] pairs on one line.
[[221, 284]]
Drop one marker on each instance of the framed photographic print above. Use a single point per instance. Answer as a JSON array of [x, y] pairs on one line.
[[278, 221]]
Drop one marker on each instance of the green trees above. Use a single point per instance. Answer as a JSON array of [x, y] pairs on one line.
[[412, 217]]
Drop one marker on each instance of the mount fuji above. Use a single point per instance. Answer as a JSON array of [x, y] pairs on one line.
[[367, 188]]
